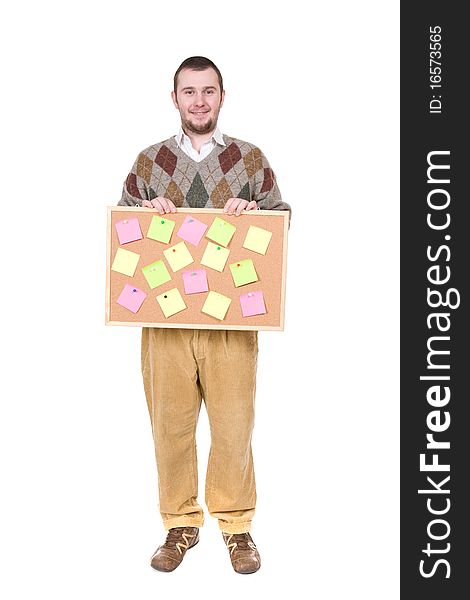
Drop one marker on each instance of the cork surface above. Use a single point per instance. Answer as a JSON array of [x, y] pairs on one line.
[[270, 268]]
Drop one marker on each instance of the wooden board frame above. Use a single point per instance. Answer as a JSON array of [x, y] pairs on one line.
[[114, 212]]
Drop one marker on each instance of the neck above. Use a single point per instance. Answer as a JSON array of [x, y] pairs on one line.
[[198, 139]]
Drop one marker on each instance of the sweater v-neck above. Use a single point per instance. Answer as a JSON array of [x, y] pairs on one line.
[[198, 164]]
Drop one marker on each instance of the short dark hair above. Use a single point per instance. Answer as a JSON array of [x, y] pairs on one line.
[[197, 63]]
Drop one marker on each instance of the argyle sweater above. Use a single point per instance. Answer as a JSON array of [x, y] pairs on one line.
[[237, 170]]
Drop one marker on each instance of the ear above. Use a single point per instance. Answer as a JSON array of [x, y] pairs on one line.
[[173, 97], [222, 97]]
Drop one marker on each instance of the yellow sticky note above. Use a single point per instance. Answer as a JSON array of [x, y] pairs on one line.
[[125, 262], [257, 239], [216, 305], [171, 302], [215, 256], [178, 256]]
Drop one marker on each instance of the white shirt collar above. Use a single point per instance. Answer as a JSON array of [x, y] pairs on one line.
[[217, 137]]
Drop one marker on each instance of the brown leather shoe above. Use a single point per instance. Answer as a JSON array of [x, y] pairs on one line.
[[243, 552], [169, 555]]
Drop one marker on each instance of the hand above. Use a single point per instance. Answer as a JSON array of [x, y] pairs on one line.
[[236, 205], [163, 205]]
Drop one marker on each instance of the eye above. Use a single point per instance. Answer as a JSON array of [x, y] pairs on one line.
[[209, 92]]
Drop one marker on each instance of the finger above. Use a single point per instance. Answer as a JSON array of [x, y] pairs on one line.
[[157, 205], [147, 204], [172, 206], [230, 205], [241, 206], [164, 202], [234, 205], [252, 205]]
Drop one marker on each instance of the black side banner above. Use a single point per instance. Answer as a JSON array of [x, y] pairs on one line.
[[435, 357]]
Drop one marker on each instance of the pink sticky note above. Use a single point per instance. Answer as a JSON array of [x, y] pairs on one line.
[[192, 230], [131, 298], [252, 304], [128, 230], [195, 281]]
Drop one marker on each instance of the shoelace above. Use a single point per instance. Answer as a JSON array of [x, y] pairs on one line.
[[239, 540], [174, 538]]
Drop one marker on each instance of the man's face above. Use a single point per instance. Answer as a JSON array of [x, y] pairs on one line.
[[198, 99]]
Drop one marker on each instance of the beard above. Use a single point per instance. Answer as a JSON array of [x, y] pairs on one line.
[[206, 127]]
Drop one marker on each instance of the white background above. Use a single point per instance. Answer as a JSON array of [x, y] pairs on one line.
[[86, 86]]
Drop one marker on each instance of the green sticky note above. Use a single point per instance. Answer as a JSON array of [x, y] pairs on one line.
[[156, 274], [243, 272], [221, 232], [216, 305], [257, 239], [160, 229], [125, 262]]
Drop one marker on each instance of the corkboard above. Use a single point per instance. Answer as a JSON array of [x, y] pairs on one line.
[[271, 270]]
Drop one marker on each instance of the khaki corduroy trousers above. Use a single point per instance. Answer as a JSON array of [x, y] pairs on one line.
[[180, 368]]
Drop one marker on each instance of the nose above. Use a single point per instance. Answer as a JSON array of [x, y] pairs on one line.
[[199, 100]]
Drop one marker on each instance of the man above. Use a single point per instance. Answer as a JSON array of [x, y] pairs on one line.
[[201, 167]]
